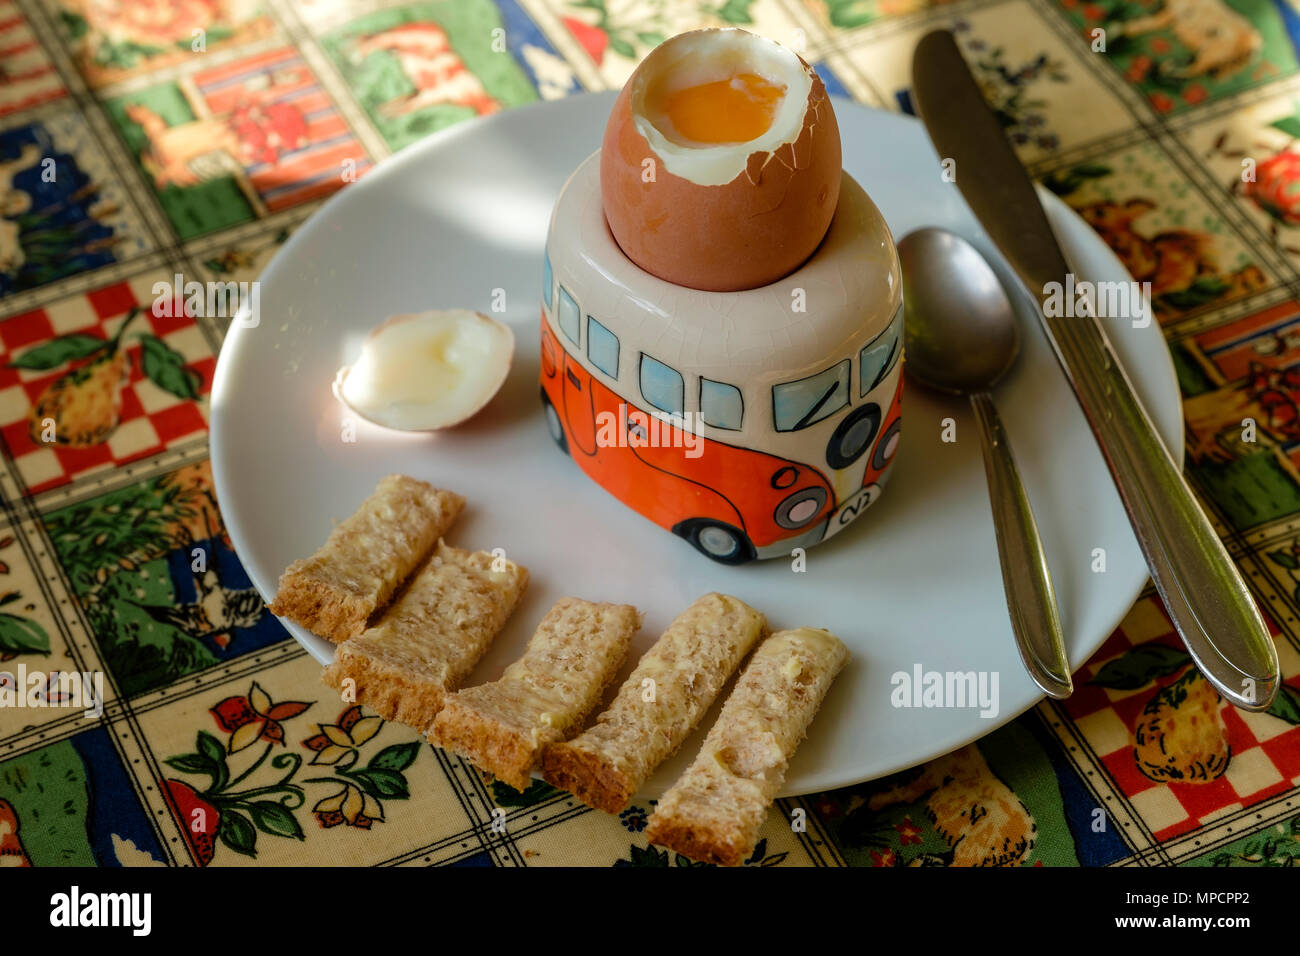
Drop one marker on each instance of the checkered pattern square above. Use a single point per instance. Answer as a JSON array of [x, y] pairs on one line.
[[150, 418], [1263, 750]]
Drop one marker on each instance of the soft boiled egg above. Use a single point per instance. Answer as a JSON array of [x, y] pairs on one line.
[[720, 166], [428, 370]]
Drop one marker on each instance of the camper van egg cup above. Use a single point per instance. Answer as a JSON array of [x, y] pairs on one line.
[[749, 423]]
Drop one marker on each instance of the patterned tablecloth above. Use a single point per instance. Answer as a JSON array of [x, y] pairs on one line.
[[141, 140]]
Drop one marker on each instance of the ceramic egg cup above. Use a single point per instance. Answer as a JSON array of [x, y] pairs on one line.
[[749, 423]]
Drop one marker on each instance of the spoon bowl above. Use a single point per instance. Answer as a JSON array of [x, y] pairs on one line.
[[960, 330]]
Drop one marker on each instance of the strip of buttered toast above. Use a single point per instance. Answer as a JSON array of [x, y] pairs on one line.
[[714, 811], [335, 592], [658, 705], [544, 696], [404, 667]]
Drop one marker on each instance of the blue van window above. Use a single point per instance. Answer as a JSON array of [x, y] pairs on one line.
[[548, 284], [662, 386], [570, 322], [807, 401], [721, 405], [602, 347], [878, 358]]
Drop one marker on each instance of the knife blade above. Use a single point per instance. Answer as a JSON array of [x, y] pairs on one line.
[[1206, 596]]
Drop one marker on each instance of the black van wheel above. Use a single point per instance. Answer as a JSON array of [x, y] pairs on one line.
[[853, 436], [717, 540], [553, 424]]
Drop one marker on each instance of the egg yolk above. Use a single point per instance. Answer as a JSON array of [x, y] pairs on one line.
[[733, 110]]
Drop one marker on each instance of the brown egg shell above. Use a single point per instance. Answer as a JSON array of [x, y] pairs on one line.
[[747, 233]]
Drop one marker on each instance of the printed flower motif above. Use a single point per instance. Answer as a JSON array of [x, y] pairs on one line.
[[882, 858], [336, 741], [908, 832], [1195, 93], [254, 717], [350, 806], [634, 818]]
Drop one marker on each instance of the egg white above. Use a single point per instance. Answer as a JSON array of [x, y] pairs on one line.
[[429, 370], [704, 56]]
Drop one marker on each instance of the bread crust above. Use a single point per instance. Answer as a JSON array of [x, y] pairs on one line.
[[543, 697], [591, 777], [338, 589], [607, 764], [714, 812], [427, 643], [386, 690]]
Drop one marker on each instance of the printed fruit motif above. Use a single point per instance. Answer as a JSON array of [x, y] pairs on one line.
[[83, 406], [1180, 735], [11, 846], [1276, 187], [200, 828]]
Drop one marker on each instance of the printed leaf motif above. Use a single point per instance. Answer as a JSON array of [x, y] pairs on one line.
[[1285, 558], [1203, 290], [1289, 125], [397, 757], [212, 750], [847, 14], [275, 819], [735, 11], [238, 832], [20, 635], [192, 763], [1140, 666], [1065, 182], [622, 47], [75, 25], [165, 367], [1286, 706], [52, 354], [644, 856], [503, 795], [379, 782]]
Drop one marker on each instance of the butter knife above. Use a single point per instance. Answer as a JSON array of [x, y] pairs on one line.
[[1205, 594]]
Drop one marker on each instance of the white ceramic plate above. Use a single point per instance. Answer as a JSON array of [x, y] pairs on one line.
[[915, 581]]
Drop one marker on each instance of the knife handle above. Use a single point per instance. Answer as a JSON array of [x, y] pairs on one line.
[[1205, 594]]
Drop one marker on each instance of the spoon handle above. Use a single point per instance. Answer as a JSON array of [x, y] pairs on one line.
[[1025, 575]]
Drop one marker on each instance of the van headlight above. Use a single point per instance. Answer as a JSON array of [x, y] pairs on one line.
[[800, 508]]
